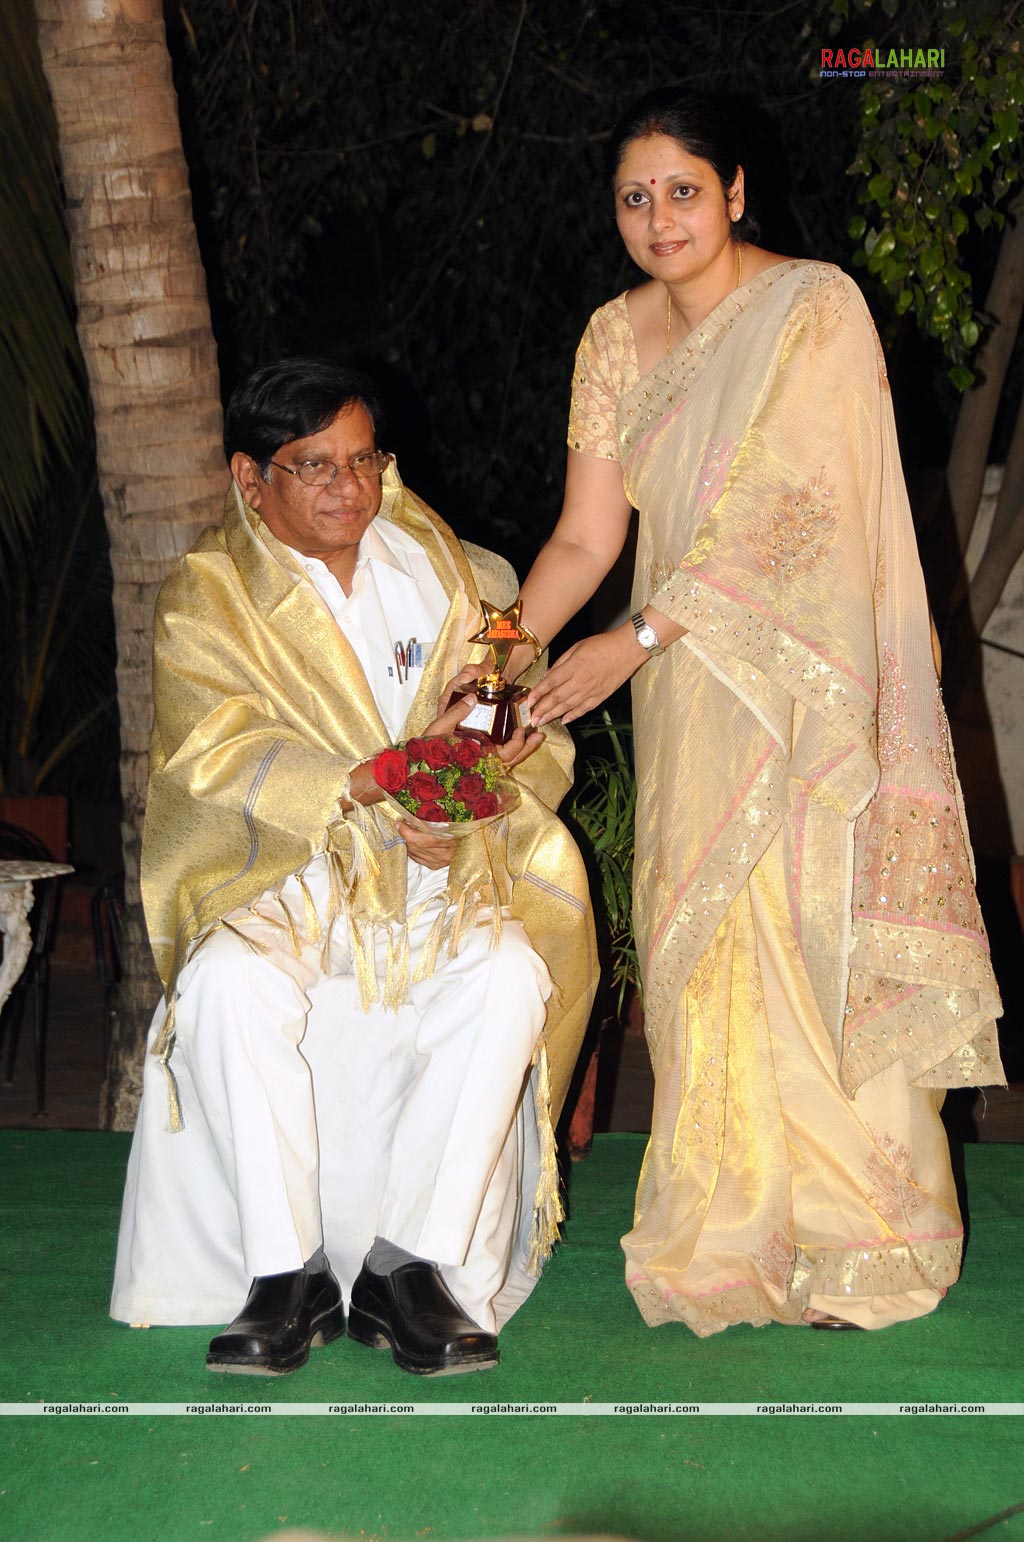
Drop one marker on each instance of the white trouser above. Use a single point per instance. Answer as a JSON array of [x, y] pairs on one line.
[[308, 1120]]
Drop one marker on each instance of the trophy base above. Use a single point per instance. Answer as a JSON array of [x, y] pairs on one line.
[[496, 715]]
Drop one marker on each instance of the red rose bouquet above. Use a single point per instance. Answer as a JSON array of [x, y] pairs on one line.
[[458, 783]]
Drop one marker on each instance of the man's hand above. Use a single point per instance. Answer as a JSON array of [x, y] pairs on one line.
[[515, 750], [434, 851], [466, 679], [520, 747], [429, 850]]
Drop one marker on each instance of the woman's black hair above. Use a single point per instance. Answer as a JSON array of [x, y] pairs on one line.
[[709, 127], [291, 400]]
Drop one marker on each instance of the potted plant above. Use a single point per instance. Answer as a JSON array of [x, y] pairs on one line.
[[602, 808]]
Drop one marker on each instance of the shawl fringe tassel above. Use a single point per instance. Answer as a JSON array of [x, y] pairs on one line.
[[548, 1209]]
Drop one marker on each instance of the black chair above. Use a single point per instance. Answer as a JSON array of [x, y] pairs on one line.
[[108, 941], [18, 844]]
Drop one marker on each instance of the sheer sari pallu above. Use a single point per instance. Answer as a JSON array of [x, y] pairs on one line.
[[814, 959]]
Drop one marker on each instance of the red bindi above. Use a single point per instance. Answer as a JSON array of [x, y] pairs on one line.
[[654, 181]]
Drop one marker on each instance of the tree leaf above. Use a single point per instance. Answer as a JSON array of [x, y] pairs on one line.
[[930, 260]]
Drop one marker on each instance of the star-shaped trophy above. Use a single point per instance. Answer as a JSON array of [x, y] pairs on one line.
[[501, 707]]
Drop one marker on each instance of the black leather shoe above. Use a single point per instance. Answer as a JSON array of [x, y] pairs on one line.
[[412, 1312], [284, 1316]]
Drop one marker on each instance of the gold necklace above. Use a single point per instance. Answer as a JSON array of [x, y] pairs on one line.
[[668, 315]]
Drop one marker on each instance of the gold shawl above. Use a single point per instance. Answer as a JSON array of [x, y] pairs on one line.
[[262, 712], [774, 527]]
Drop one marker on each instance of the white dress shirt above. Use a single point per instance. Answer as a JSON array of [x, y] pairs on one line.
[[396, 596]]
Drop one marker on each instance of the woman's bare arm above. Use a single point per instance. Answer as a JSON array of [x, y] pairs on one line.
[[590, 533], [589, 536]]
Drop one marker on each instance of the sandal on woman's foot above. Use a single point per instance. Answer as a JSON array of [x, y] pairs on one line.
[[828, 1321]]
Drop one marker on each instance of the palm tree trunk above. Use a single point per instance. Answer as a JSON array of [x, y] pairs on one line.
[[144, 328], [972, 438]]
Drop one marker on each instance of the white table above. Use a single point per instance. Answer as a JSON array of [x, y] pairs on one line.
[[16, 879]]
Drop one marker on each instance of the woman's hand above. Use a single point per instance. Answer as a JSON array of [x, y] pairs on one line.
[[585, 675], [521, 657]]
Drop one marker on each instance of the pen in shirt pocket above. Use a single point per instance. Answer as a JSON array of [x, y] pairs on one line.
[[408, 656]]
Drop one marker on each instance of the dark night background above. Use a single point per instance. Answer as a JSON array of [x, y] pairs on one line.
[[421, 189]]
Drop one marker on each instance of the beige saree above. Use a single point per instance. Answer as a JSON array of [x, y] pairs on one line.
[[815, 964]]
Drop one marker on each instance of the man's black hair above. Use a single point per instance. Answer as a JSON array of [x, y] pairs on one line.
[[291, 400]]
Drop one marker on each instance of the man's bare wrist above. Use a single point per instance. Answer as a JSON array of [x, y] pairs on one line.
[[362, 787]]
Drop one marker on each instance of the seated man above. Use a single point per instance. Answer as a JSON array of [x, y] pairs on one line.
[[372, 1027]]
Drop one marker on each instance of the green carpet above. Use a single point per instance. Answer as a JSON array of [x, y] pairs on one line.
[[578, 1340]]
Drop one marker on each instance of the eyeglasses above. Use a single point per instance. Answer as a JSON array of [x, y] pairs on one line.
[[321, 473]]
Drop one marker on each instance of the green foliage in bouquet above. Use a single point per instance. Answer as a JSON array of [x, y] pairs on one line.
[[443, 780]]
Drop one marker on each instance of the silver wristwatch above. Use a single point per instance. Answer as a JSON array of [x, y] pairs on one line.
[[646, 636]]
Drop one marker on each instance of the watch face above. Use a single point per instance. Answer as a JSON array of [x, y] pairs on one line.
[[646, 636]]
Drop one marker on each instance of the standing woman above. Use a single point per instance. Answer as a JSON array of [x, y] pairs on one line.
[[815, 965]]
